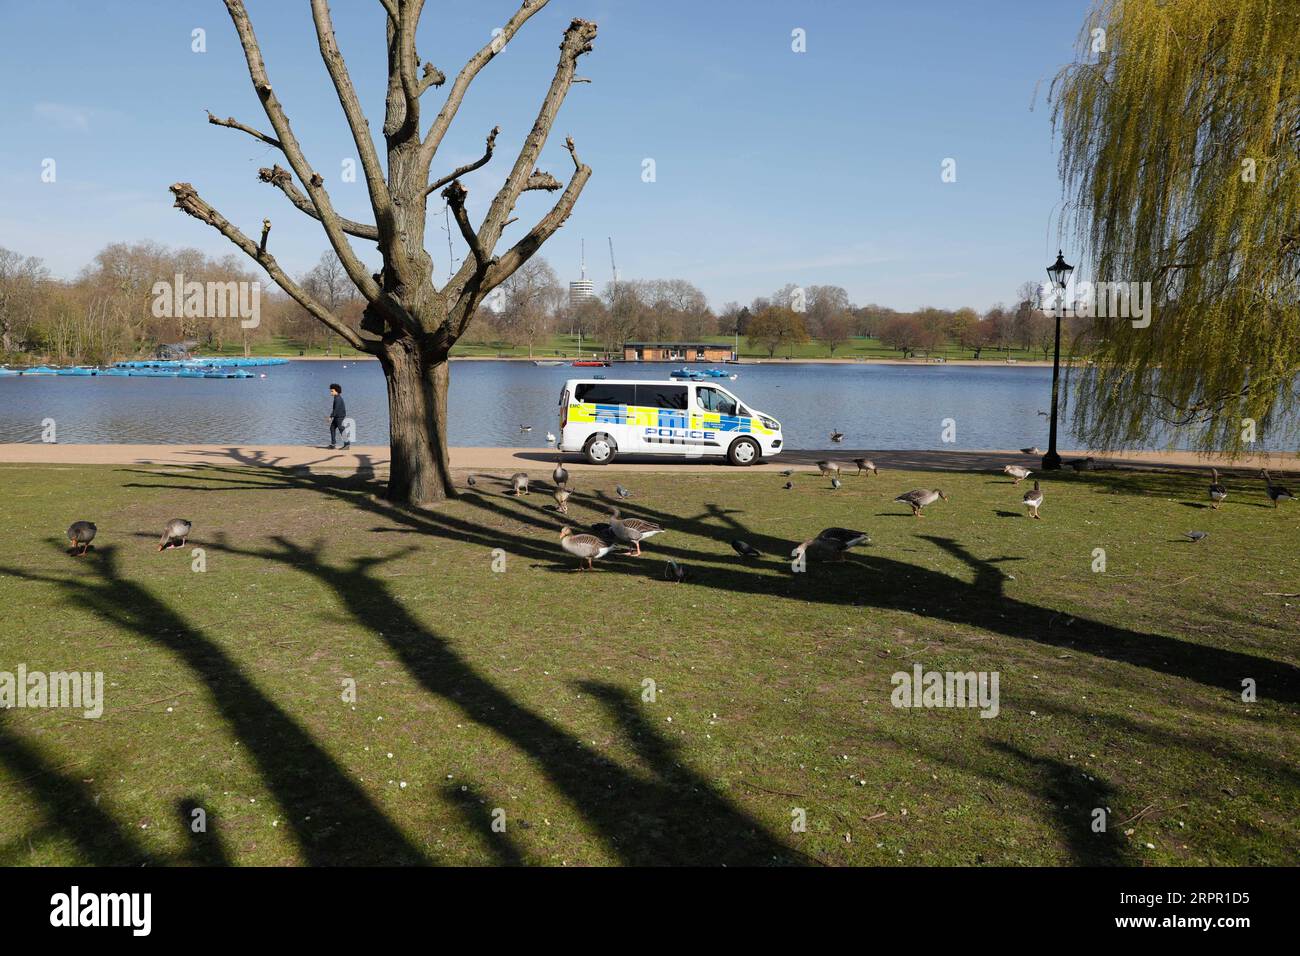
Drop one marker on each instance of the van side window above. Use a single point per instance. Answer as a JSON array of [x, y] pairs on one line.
[[662, 396], [712, 400], [601, 393]]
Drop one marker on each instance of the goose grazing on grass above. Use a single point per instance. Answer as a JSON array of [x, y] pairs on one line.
[[830, 543], [585, 547], [80, 534], [1276, 493], [837, 436], [631, 530], [1034, 500], [560, 475], [1035, 450], [866, 465], [787, 473], [1017, 472], [178, 529], [745, 549], [674, 572], [1196, 536], [919, 498], [828, 469], [622, 492], [1218, 491], [519, 481], [562, 500]]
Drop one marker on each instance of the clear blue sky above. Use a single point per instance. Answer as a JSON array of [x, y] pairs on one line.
[[772, 166]]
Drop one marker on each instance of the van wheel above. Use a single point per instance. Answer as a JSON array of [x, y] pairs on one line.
[[744, 451], [600, 450]]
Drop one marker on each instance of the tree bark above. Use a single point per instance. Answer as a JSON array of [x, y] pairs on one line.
[[419, 471]]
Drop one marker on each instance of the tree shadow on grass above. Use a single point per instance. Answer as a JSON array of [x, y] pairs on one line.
[[344, 826]]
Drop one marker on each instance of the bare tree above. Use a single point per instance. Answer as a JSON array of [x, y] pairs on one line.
[[409, 322]]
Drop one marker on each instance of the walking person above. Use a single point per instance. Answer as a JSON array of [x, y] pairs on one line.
[[336, 416]]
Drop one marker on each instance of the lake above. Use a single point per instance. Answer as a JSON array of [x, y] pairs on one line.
[[876, 406]]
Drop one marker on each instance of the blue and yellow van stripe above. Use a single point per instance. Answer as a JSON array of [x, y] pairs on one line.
[[644, 416]]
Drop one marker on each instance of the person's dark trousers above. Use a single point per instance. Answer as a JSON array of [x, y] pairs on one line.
[[336, 428]]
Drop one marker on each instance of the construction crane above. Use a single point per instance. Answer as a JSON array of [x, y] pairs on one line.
[[613, 268]]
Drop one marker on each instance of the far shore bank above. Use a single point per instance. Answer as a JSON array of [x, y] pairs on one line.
[[540, 460], [965, 363]]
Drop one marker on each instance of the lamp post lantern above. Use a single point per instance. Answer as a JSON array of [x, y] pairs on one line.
[[1059, 272]]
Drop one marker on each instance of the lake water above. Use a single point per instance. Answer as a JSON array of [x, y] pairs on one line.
[[876, 406]]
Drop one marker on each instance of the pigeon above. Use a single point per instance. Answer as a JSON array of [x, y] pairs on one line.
[[788, 485], [177, 528], [470, 481], [622, 492], [787, 473], [519, 481], [1196, 535], [835, 484], [80, 534], [745, 549], [674, 572], [837, 436]]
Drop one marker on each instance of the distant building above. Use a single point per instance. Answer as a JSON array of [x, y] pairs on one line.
[[677, 352], [580, 291]]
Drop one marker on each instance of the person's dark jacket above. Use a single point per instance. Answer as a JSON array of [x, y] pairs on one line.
[[340, 410]]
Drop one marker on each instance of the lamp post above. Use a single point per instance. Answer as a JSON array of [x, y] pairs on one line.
[[1059, 272]]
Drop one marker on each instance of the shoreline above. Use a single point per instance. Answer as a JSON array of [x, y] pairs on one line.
[[964, 363], [370, 458]]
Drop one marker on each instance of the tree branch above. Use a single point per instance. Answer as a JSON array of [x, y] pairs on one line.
[[470, 167], [282, 179], [189, 201], [356, 270], [470, 70], [233, 123], [455, 195]]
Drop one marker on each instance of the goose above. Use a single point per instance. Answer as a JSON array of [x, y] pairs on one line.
[[830, 543], [1034, 500], [919, 498], [525, 428], [837, 436], [787, 473], [80, 534], [745, 549], [622, 492], [866, 465], [828, 468], [519, 481], [1276, 492], [562, 500], [1034, 450], [560, 475], [674, 572], [1218, 491], [1018, 472], [585, 547], [631, 530], [1084, 464], [1196, 536], [176, 528]]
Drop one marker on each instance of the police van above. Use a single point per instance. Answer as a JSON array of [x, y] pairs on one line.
[[601, 419]]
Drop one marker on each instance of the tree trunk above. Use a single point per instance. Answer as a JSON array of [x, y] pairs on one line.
[[419, 472]]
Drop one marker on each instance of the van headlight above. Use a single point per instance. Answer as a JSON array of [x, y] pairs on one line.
[[770, 423]]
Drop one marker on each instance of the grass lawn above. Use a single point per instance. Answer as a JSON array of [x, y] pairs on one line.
[[524, 689]]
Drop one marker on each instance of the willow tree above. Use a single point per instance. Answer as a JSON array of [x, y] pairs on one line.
[[1180, 134], [409, 322]]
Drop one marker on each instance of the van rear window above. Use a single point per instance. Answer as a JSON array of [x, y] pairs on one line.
[[601, 393]]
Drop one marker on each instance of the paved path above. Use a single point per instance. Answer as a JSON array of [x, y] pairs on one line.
[[375, 457]]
